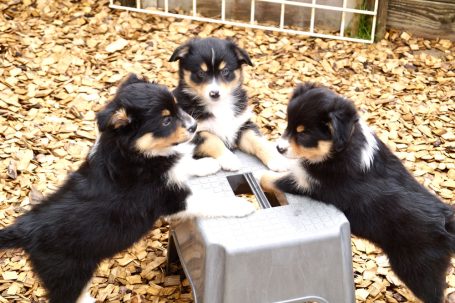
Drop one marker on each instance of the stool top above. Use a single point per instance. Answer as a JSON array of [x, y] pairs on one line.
[[302, 220]]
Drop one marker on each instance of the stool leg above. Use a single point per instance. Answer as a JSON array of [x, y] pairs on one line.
[[172, 255]]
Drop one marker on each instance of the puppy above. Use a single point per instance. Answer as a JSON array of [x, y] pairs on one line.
[[341, 162], [210, 90], [133, 176]]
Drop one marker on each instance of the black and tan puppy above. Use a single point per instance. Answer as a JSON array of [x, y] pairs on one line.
[[210, 90], [341, 162], [134, 175]]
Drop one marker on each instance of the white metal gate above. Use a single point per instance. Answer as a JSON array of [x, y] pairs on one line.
[[312, 5]]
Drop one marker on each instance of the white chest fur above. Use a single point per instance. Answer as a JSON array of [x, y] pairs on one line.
[[224, 123]]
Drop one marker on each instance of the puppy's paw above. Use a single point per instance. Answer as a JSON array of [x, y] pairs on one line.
[[239, 207], [86, 298], [229, 162], [211, 207], [278, 163], [206, 166], [89, 299], [268, 179]]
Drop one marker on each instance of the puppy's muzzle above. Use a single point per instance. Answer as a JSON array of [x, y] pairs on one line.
[[192, 128], [188, 122], [214, 94], [282, 146], [213, 91]]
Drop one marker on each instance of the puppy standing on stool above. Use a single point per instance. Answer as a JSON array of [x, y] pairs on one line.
[[210, 90], [134, 175], [341, 162]]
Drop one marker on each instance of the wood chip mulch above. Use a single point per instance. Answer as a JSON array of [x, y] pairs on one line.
[[61, 60]]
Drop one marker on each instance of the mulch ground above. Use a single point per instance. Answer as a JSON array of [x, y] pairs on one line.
[[62, 59]]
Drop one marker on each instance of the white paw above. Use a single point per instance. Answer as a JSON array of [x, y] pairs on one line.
[[86, 298], [206, 166], [278, 163], [210, 207], [239, 207], [258, 174], [230, 162], [89, 299]]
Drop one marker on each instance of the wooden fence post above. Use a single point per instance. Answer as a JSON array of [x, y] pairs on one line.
[[381, 19], [129, 3], [424, 18]]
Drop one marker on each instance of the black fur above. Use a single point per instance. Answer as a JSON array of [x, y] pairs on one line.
[[110, 202], [383, 203], [198, 51]]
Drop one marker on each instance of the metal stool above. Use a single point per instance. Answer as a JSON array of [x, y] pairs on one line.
[[300, 252]]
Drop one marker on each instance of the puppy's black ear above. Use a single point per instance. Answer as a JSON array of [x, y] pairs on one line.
[[112, 117], [342, 122], [303, 88], [242, 55], [131, 79], [180, 52]]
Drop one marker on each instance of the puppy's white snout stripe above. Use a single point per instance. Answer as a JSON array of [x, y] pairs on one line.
[[213, 90], [186, 118], [282, 145]]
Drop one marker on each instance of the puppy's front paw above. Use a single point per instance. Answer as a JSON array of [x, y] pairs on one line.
[[229, 162], [278, 163], [268, 180], [207, 166], [86, 298], [239, 207]]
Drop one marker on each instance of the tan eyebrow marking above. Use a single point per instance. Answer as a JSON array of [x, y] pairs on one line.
[[120, 118], [300, 128], [204, 67], [222, 65], [165, 113]]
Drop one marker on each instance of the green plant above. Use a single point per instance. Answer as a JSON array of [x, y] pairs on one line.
[[365, 23], [362, 24]]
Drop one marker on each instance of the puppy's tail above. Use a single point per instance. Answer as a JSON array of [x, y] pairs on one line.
[[10, 238]]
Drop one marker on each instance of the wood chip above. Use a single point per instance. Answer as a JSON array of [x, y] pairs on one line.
[[64, 66]]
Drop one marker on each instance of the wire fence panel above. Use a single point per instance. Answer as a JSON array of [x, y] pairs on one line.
[[307, 18]]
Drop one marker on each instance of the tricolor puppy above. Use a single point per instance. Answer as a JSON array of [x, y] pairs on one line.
[[134, 175], [210, 90], [341, 162]]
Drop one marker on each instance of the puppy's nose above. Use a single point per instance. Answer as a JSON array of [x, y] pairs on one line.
[[192, 128], [214, 94], [281, 149]]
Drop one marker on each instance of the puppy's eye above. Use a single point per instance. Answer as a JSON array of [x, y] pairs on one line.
[[225, 72], [201, 74], [166, 121]]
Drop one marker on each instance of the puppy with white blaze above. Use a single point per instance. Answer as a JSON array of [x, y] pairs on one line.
[[135, 175], [210, 90], [341, 162]]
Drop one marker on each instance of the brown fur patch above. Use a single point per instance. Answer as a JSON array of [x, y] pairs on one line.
[[150, 144], [250, 142], [330, 126], [236, 82], [300, 129], [165, 113], [211, 147], [120, 118], [313, 154], [129, 76], [204, 67], [222, 65], [268, 181], [199, 89]]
